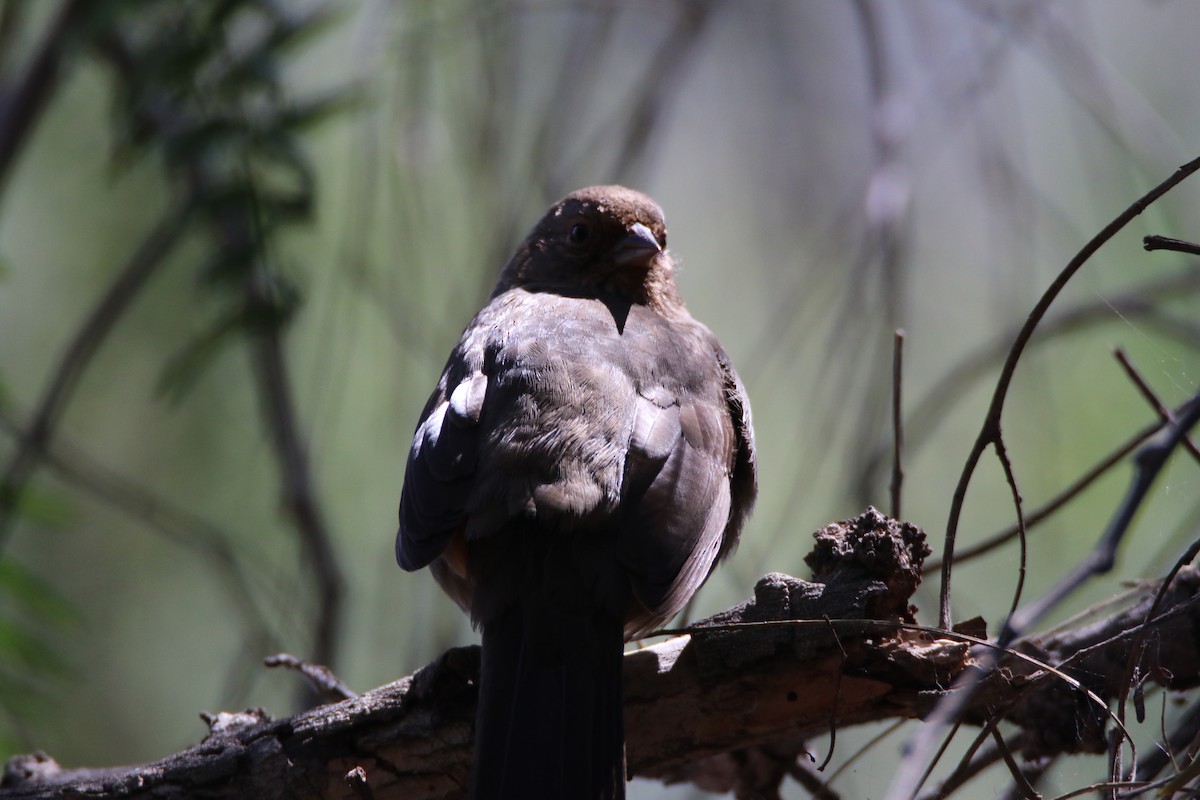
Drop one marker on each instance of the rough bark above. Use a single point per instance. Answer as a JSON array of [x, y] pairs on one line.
[[729, 706]]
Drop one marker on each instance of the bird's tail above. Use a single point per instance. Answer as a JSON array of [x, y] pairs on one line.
[[549, 723]]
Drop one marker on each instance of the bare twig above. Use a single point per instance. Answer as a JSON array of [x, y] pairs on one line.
[[1163, 412], [1019, 780], [817, 789], [1148, 462], [969, 765], [1032, 774], [897, 423], [1006, 464], [1046, 510], [1142, 303], [990, 430], [1153, 243], [1184, 734], [321, 677]]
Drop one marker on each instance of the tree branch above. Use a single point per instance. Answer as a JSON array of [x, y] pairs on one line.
[[734, 700]]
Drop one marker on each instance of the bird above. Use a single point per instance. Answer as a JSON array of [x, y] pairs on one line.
[[584, 462]]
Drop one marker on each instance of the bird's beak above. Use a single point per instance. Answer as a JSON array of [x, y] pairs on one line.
[[637, 248]]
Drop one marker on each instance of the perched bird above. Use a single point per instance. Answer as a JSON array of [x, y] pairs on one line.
[[584, 462]]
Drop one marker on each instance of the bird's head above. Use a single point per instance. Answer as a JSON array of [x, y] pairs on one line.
[[598, 239]]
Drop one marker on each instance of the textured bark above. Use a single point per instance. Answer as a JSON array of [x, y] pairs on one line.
[[722, 708]]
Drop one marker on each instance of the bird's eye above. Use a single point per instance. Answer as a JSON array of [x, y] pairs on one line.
[[579, 233]]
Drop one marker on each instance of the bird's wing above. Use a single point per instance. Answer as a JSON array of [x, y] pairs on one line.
[[744, 477], [441, 465], [689, 454]]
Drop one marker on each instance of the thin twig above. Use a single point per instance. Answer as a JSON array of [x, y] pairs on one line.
[[817, 789], [1019, 780], [1032, 773], [865, 748], [321, 677], [1142, 304], [1187, 728], [1006, 464], [933, 762], [1045, 511], [1153, 243], [1148, 462], [968, 765], [1138, 650], [837, 699], [1163, 412], [990, 430], [897, 422]]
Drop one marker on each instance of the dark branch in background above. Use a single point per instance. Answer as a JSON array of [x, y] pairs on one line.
[[990, 431], [32, 442], [244, 211], [880, 269], [644, 111], [22, 105], [298, 493], [163, 517], [561, 153], [209, 102]]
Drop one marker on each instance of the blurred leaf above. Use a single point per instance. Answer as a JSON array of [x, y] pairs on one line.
[[23, 696], [182, 371], [35, 596], [294, 31], [44, 508], [302, 116], [30, 651]]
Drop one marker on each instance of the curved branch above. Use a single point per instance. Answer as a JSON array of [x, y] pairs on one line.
[[990, 432]]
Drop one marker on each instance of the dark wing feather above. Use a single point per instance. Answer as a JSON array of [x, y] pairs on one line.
[[744, 477], [439, 475]]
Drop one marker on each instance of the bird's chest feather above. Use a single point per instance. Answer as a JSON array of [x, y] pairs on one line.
[[564, 386]]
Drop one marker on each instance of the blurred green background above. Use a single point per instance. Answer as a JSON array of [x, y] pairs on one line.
[[354, 175]]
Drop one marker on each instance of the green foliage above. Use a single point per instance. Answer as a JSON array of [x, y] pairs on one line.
[[199, 88], [201, 85], [33, 620]]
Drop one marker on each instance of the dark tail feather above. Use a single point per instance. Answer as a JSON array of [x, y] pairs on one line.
[[549, 723]]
